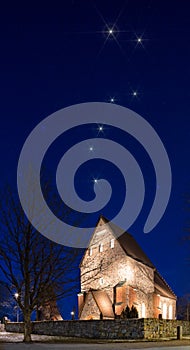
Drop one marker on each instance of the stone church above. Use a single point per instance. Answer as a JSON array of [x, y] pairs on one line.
[[115, 272]]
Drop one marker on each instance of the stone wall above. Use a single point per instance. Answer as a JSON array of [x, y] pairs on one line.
[[2, 327], [107, 329], [154, 329]]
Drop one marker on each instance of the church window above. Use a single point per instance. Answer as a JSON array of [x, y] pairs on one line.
[[164, 312], [143, 310], [101, 248], [170, 312], [112, 243], [90, 251], [101, 280]]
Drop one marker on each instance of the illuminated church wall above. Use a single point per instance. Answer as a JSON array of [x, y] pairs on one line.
[[105, 266]]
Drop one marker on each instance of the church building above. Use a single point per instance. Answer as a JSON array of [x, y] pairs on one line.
[[115, 272]]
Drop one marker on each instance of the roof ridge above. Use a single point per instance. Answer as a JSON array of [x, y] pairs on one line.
[[136, 247], [163, 279]]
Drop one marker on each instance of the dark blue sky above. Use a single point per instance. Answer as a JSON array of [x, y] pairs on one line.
[[54, 55]]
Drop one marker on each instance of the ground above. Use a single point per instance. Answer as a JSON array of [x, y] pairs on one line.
[[11, 341]]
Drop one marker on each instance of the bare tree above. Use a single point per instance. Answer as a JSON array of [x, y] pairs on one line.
[[183, 307], [32, 265]]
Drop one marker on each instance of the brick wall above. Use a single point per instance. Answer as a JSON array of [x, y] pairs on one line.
[[107, 329]]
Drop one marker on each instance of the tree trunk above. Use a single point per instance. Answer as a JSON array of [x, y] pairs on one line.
[[27, 328]]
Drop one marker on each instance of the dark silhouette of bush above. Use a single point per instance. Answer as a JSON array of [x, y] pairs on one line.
[[129, 313], [134, 312]]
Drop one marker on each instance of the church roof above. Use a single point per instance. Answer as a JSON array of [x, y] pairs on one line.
[[129, 244], [161, 286], [132, 249]]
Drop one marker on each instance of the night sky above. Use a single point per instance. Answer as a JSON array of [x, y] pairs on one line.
[[58, 54]]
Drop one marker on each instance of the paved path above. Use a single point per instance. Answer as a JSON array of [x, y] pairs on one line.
[[35, 346], [13, 341]]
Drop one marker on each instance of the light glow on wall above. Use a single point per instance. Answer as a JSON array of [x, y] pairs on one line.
[[129, 273]]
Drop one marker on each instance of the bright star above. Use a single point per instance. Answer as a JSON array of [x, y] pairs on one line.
[[112, 100], [111, 31], [140, 40], [91, 148], [111, 34], [100, 129], [95, 181], [136, 94]]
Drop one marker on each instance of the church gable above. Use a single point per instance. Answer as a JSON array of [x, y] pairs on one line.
[[103, 251], [103, 240], [106, 263], [115, 264]]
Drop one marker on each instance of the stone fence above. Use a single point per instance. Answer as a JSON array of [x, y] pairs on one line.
[[2, 327], [107, 329]]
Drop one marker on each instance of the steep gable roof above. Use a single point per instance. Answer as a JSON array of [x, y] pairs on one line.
[[161, 286], [132, 249], [129, 244]]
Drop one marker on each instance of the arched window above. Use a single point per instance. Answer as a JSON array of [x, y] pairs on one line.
[[101, 248], [90, 251], [112, 243], [164, 312], [170, 312], [143, 310]]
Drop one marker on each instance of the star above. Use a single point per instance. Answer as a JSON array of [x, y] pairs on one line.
[[112, 99], [95, 181], [91, 148], [100, 129], [135, 94], [110, 32], [140, 40]]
